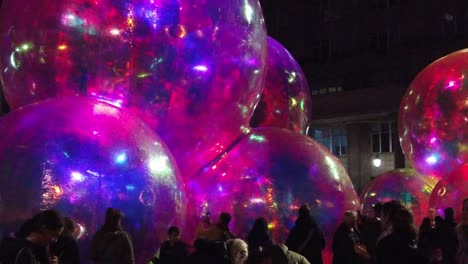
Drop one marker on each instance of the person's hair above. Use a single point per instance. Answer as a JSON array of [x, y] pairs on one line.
[[304, 211], [112, 221], [463, 203], [259, 233], [439, 222], [69, 225], [449, 214], [401, 219], [350, 214], [425, 225], [173, 230], [234, 247], [225, 218], [50, 219], [377, 208]]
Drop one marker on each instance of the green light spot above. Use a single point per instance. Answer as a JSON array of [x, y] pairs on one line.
[[257, 138]]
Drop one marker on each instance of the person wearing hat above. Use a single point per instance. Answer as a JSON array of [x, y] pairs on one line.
[[112, 244]]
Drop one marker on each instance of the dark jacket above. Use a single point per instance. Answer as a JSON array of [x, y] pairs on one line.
[[173, 254], [280, 254], [343, 246], [20, 251], [313, 248], [398, 249], [112, 248], [66, 249]]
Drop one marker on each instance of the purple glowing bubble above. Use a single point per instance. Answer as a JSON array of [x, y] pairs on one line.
[[451, 192], [193, 70], [434, 117], [81, 156], [271, 172], [285, 101], [401, 184]]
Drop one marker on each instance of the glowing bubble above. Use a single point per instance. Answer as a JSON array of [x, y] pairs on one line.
[[271, 172], [61, 153], [401, 184], [285, 100], [451, 192], [193, 70], [434, 117]]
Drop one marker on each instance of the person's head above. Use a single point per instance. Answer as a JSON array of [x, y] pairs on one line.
[[113, 220], [44, 227], [465, 210], [304, 211], [377, 210], [349, 218], [224, 219], [400, 218], [432, 214], [387, 209], [174, 233], [449, 214], [260, 226], [439, 222], [425, 225], [237, 251], [69, 226]]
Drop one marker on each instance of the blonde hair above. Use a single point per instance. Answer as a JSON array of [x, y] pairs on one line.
[[235, 248]]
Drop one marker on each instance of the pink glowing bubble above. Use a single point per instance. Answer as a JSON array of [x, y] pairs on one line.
[[451, 192], [401, 184], [271, 172], [193, 70], [434, 117], [285, 100], [52, 157]]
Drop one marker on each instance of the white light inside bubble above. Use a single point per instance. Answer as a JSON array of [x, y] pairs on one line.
[[121, 158], [114, 32], [431, 160], [77, 176], [159, 165], [248, 12], [201, 68], [257, 201]]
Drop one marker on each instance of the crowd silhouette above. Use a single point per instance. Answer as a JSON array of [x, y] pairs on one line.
[[389, 236]]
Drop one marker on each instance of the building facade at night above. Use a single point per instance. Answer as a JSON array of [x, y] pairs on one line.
[[359, 57]]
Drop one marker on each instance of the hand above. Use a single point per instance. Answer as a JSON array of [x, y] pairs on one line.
[[361, 251], [53, 260]]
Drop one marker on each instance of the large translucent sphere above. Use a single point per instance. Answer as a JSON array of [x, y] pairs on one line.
[[192, 69], [401, 184], [451, 192], [271, 172], [285, 100], [81, 156], [434, 117]]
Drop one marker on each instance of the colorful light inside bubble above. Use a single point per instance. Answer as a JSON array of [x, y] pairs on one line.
[[77, 176], [432, 159], [400, 184], [433, 122], [271, 173], [121, 158], [53, 161], [285, 100], [157, 60]]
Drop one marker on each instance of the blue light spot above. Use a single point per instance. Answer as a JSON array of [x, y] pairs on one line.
[[121, 158]]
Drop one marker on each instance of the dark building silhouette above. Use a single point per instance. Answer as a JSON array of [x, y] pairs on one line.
[[359, 57]]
